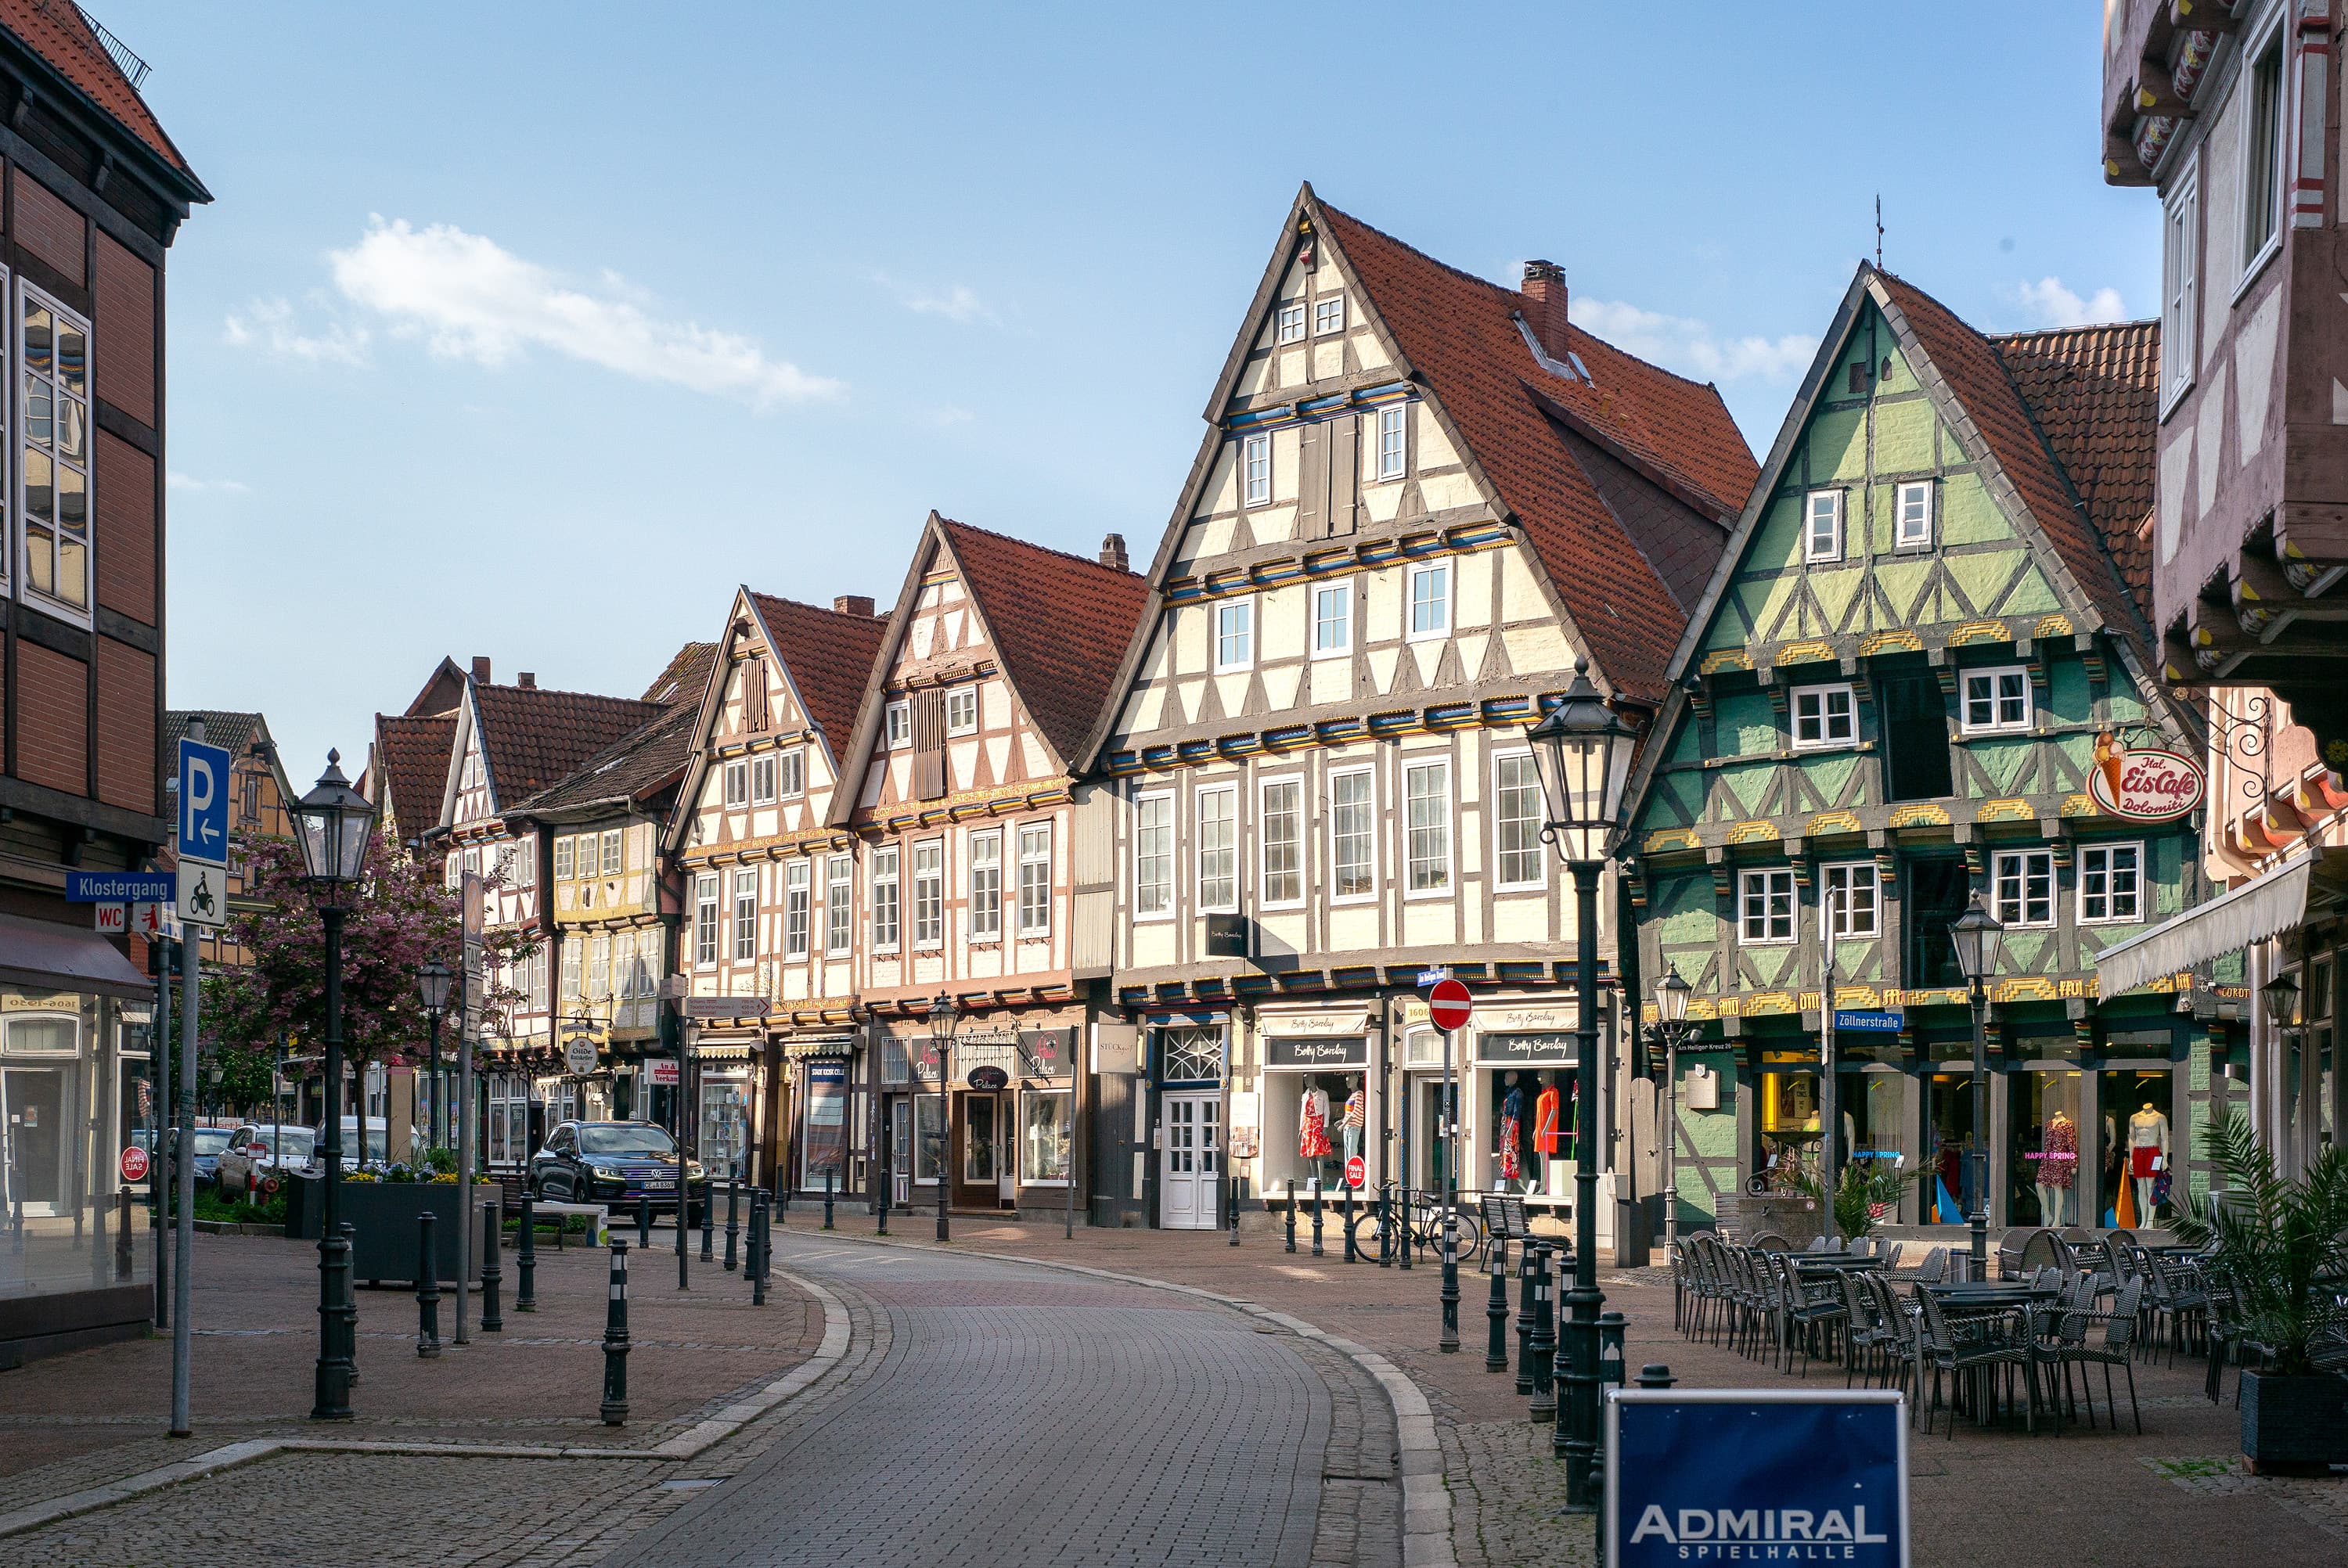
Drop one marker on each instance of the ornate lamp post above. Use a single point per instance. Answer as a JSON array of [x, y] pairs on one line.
[[1583, 755], [433, 981], [1977, 934], [1672, 1030], [946, 1013], [335, 822]]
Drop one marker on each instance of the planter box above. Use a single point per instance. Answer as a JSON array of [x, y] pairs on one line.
[[2295, 1424], [382, 1215], [1799, 1220]]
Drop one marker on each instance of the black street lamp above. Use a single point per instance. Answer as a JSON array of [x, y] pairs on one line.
[[1672, 1030], [946, 1013], [1583, 752], [1976, 934], [335, 821], [433, 980]]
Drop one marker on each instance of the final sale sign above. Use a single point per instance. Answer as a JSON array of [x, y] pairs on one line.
[[2143, 784]]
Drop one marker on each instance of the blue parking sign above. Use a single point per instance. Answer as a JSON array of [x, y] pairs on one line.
[[203, 803], [1753, 1475]]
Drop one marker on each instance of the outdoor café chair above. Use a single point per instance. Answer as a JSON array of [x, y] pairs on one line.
[[1811, 1311], [1979, 1346], [1935, 1265], [2076, 1343]]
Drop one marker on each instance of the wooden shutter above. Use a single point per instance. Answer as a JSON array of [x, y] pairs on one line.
[[1344, 474], [1313, 482], [753, 693], [928, 744]]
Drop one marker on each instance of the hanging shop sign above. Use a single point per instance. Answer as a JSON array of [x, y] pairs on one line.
[[661, 1072], [579, 1055], [1309, 1052], [2143, 784], [986, 1075]]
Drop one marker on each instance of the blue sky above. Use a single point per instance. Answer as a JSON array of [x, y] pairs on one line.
[[529, 330]]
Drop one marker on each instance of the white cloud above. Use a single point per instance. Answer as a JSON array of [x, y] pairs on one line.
[[194, 486], [2054, 305], [469, 298], [268, 325], [956, 302], [1691, 347]]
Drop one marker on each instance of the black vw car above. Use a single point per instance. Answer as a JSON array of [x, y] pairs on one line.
[[613, 1163]]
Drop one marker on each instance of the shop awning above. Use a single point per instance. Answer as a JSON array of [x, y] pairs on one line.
[[2264, 907], [50, 957]]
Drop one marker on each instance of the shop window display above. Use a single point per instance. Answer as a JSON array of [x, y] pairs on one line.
[[1314, 1123], [2045, 1119], [1788, 1125], [1530, 1114], [1044, 1135], [1948, 1137], [2138, 1145]]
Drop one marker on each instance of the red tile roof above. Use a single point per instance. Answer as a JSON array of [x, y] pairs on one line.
[[829, 655], [1978, 378], [1061, 624], [411, 757], [1460, 333], [639, 764], [532, 736], [60, 34], [685, 676]]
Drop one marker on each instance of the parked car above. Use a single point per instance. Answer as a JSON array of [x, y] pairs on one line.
[[614, 1163], [211, 1143], [378, 1137], [259, 1156]]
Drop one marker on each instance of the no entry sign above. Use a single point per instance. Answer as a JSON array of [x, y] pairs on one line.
[[134, 1162], [1448, 1004]]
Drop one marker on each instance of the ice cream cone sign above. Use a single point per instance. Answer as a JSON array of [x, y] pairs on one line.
[[2143, 784]]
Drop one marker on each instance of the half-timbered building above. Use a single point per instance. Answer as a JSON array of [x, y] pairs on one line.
[[1931, 628], [1421, 499], [980, 858]]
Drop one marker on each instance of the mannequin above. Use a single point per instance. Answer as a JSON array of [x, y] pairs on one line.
[[1508, 1168], [2147, 1157], [2058, 1168], [1357, 1117], [1548, 1140], [1312, 1129]]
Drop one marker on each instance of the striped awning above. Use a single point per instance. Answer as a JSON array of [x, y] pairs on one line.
[[2264, 907]]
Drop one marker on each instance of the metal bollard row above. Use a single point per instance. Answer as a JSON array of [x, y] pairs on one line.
[[1496, 1311], [1544, 1346], [733, 1217]]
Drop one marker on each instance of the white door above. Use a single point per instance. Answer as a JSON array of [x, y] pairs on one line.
[[1189, 1162]]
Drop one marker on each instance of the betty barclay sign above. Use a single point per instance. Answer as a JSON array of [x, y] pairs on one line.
[[2143, 784], [1751, 1475]]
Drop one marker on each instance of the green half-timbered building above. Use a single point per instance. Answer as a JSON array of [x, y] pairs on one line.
[[1890, 702]]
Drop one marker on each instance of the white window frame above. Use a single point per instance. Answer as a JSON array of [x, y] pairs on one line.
[[1255, 469], [1826, 739], [1153, 856], [615, 852], [986, 880], [1500, 823], [19, 425], [790, 773], [1920, 537], [2180, 287], [1242, 610], [1368, 836], [1035, 914], [565, 849], [964, 697], [1438, 865], [1329, 315], [1288, 322], [883, 878], [1394, 442], [799, 896], [2255, 257], [1342, 595], [1765, 885], [928, 894], [897, 724], [1811, 551], [1843, 916], [746, 901], [2097, 863], [1438, 602], [737, 784], [704, 920], [762, 780], [1215, 882], [2019, 865], [1294, 784], [1996, 724], [840, 905]]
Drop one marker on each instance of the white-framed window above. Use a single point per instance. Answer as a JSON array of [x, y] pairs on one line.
[[2180, 282], [898, 722], [599, 969], [762, 781], [1516, 852], [1329, 315], [883, 898], [704, 920], [574, 953], [2111, 884], [986, 887], [524, 865], [1036, 880], [473, 860], [1997, 701], [1822, 526], [1765, 903], [1256, 469], [616, 851], [745, 914], [790, 768], [2022, 883], [1234, 634], [2264, 91], [1913, 526], [1290, 323], [1219, 849], [1852, 898], [1430, 600], [930, 893], [563, 848], [1394, 441], [53, 477], [1280, 843], [1426, 826], [839, 903], [798, 878], [1824, 716], [1353, 834], [1044, 1137], [1153, 855], [737, 784], [962, 711], [1332, 619]]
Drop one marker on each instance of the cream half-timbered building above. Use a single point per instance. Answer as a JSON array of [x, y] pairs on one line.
[[768, 883], [972, 831], [1422, 500]]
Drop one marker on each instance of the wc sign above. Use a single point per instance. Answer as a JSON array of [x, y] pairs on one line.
[[1752, 1475]]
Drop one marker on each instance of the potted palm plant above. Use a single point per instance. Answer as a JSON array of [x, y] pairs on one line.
[[2282, 1245], [1866, 1192]]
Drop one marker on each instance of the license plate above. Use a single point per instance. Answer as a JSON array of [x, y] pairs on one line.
[[660, 1187]]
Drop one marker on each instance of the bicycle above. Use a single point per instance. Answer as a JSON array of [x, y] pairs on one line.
[[1396, 1218]]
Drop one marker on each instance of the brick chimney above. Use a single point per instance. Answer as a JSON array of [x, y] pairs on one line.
[[480, 668], [852, 604], [1544, 294], [1113, 555], [525, 681]]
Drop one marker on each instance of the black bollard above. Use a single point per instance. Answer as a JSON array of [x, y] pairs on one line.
[[1609, 1350], [1656, 1375], [684, 1233], [1233, 1209], [616, 1341], [1544, 1409], [526, 1256], [1495, 1311], [827, 1182], [1346, 1218], [708, 1222], [122, 1261], [644, 1221], [351, 1296], [1402, 1231], [733, 1217], [757, 1264], [885, 1183], [1316, 1219], [492, 1321], [1449, 1294], [1385, 1242], [427, 1288], [1526, 1312], [1292, 1214]]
